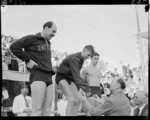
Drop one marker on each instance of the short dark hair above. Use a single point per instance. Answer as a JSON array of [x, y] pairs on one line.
[[90, 48], [122, 83], [49, 24], [95, 54]]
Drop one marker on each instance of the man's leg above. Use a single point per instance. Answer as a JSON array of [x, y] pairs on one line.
[[38, 89], [77, 99], [48, 100], [64, 86]]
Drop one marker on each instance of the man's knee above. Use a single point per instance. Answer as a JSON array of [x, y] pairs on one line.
[[77, 101], [71, 100], [46, 111]]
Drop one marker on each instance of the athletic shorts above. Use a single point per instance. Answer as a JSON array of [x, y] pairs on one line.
[[60, 76], [39, 75], [95, 90]]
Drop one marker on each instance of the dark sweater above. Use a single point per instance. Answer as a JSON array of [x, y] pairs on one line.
[[36, 48], [70, 67]]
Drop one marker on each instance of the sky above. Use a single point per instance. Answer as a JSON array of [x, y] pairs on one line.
[[111, 29]]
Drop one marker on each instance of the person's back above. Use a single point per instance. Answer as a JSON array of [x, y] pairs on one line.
[[120, 105], [64, 67]]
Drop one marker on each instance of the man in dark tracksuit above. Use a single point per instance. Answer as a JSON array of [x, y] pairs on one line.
[[37, 55], [69, 79]]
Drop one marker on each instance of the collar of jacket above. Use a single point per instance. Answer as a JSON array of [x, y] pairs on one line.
[[38, 35]]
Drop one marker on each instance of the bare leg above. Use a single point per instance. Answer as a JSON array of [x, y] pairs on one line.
[[64, 86], [77, 99], [38, 89], [48, 100]]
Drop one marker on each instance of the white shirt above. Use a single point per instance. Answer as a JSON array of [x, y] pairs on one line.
[[19, 105], [141, 108], [62, 104]]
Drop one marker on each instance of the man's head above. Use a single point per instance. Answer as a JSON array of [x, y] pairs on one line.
[[87, 51], [140, 98], [95, 58], [117, 83], [49, 30], [24, 90], [115, 70]]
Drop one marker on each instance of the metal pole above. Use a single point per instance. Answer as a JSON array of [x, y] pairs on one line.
[[140, 47]]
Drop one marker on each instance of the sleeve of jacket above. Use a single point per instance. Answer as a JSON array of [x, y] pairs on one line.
[[17, 47], [103, 109], [16, 108], [74, 65]]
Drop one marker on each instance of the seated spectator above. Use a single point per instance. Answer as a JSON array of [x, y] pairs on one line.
[[115, 105], [22, 103], [116, 72], [4, 66], [133, 107], [141, 101]]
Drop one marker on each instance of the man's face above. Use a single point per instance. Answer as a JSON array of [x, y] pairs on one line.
[[86, 54], [95, 59], [24, 91], [137, 99], [113, 85], [50, 32]]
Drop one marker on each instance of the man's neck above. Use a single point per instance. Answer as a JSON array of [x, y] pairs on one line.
[[43, 35], [93, 65], [24, 95], [116, 91], [141, 105]]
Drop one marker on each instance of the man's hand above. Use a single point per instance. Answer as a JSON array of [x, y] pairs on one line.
[[31, 64], [8, 61], [83, 96], [98, 99], [88, 93]]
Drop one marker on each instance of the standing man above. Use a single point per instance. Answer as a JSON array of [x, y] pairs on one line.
[[69, 79], [37, 55], [22, 103], [92, 75]]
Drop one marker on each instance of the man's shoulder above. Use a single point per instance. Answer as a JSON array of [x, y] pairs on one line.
[[29, 36], [18, 96], [28, 96], [145, 110], [73, 57]]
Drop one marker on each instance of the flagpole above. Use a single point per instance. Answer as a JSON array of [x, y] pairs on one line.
[[140, 48]]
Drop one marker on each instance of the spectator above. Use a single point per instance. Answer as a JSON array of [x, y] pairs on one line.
[[141, 101], [22, 103], [116, 72], [115, 105], [133, 107]]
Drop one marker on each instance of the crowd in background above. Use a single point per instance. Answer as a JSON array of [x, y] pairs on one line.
[[132, 76]]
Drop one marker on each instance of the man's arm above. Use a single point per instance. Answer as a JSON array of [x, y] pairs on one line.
[[102, 109], [74, 66], [17, 47]]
